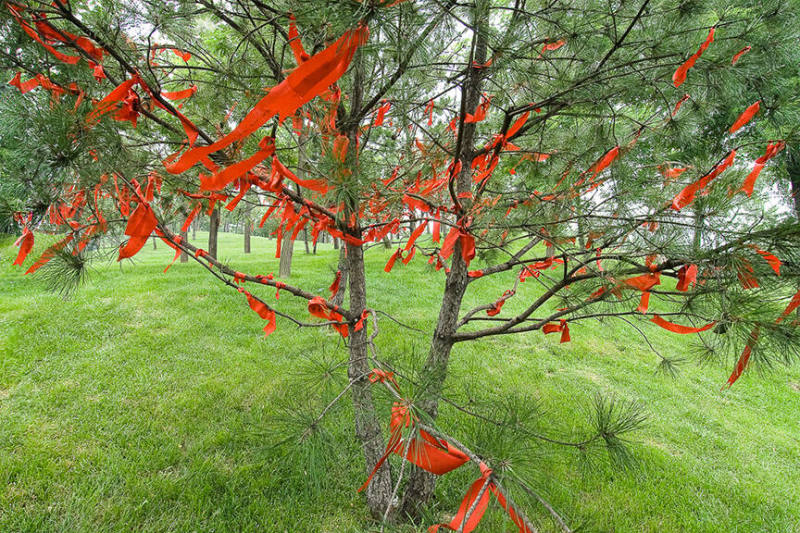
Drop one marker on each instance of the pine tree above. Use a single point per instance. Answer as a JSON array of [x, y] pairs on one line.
[[549, 141]]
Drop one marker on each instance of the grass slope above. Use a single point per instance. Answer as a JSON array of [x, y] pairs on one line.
[[152, 402]]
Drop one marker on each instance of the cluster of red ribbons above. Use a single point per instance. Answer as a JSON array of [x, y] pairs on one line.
[[310, 79], [688, 194], [319, 308], [438, 457]]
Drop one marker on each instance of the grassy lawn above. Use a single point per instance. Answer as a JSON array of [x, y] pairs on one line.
[[152, 402]]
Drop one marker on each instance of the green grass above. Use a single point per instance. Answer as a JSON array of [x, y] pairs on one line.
[[152, 402]]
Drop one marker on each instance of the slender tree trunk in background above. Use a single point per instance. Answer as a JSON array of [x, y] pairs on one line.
[[579, 217], [421, 484], [314, 250], [793, 168], [287, 250], [335, 243], [184, 255], [247, 229], [213, 231], [699, 220], [194, 230], [305, 239], [154, 243], [344, 268], [387, 243]]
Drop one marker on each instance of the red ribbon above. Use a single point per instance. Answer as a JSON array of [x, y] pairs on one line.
[[687, 274], [140, 225], [180, 95], [772, 150], [498, 305], [433, 455], [334, 288], [262, 310], [318, 308], [677, 328], [562, 326], [680, 103], [25, 242], [745, 117], [457, 523], [739, 54], [687, 195], [680, 74]]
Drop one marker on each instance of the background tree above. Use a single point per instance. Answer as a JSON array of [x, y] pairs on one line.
[[538, 142]]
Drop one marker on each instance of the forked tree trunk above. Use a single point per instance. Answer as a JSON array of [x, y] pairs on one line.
[[213, 232], [421, 484]]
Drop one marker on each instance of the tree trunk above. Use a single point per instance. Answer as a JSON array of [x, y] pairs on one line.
[[247, 229], [367, 424], [154, 243], [314, 249], [194, 230], [335, 243], [305, 239], [421, 484], [184, 255], [213, 232], [287, 250]]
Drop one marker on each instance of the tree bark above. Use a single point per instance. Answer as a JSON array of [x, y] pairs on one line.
[[194, 230], [213, 232], [421, 484], [154, 243], [287, 250], [184, 256], [367, 424]]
